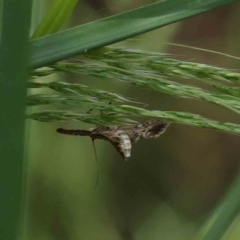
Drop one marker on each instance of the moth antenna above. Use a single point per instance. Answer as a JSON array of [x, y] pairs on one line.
[[95, 152]]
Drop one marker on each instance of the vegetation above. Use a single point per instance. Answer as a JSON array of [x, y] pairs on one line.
[[140, 68]]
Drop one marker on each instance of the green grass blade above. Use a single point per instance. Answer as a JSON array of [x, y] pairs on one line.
[[223, 215], [113, 29], [15, 25], [55, 17]]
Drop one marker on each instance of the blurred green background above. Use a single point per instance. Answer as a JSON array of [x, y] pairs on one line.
[[170, 185]]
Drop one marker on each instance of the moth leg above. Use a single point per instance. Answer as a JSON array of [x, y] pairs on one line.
[[96, 158]]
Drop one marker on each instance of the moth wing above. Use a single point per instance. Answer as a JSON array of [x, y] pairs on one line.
[[134, 132], [153, 128], [118, 138], [149, 128]]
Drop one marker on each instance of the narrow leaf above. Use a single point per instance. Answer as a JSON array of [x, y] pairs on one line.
[[15, 25], [74, 41], [55, 17]]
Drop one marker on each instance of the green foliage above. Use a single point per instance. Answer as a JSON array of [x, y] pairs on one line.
[[77, 40], [55, 17], [15, 24], [142, 69]]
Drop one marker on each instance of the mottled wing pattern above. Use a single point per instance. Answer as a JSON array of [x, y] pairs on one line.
[[118, 138], [150, 128], [153, 128]]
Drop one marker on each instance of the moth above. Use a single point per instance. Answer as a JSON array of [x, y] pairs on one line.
[[122, 137]]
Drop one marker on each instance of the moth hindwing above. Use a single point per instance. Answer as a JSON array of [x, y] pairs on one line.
[[122, 137]]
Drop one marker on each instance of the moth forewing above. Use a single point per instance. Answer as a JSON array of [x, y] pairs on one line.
[[124, 145], [154, 128], [118, 138], [151, 128]]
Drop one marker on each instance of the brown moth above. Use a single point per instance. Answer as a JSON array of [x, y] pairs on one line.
[[122, 137]]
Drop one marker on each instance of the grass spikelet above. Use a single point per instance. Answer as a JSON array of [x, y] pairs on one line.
[[142, 69]]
